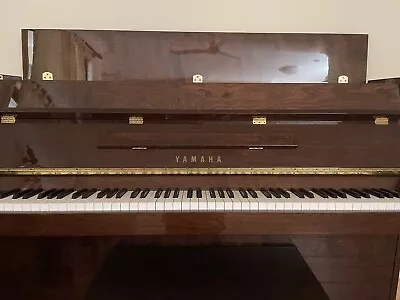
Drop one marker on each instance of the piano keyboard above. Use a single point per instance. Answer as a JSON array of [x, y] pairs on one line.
[[177, 200]]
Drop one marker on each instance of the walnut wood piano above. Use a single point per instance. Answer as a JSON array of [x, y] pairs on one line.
[[314, 166]]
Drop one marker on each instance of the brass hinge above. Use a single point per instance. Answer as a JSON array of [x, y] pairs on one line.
[[259, 120], [135, 120], [381, 121], [8, 119]]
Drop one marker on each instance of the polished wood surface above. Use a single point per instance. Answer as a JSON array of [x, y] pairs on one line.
[[60, 124], [348, 267], [172, 96], [109, 55], [186, 223]]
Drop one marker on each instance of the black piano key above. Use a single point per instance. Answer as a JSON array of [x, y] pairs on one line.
[[158, 193], [89, 193], [176, 193], [21, 193], [9, 193], [32, 193], [284, 193], [189, 193], [111, 193], [221, 193], [78, 193], [243, 193], [212, 193], [329, 193], [275, 193], [306, 193], [167, 193], [54, 194], [351, 193], [45, 193], [103, 193], [338, 193], [266, 193], [199, 194], [230, 193], [65, 193], [320, 193], [144, 193], [135, 193], [252, 193], [298, 193], [120, 193], [374, 193], [390, 193], [361, 193]]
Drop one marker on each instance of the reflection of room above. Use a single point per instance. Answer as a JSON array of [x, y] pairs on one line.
[[218, 57]]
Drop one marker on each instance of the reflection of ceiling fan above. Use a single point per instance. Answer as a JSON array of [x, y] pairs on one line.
[[213, 48]]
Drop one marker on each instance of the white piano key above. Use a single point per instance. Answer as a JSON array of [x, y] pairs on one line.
[[185, 201], [238, 202], [169, 202], [194, 202], [228, 202], [253, 203], [203, 203], [219, 202], [160, 203], [211, 205], [177, 204]]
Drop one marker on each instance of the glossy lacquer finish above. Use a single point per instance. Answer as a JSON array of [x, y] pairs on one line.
[[218, 57], [93, 256]]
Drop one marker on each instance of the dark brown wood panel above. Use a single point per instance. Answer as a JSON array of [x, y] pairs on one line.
[[349, 265], [177, 96], [312, 145], [218, 56], [346, 246], [198, 223], [350, 291]]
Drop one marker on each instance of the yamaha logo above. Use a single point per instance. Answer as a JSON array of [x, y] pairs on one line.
[[195, 159]]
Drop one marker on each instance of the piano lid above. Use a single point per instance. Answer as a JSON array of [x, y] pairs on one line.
[[228, 57]]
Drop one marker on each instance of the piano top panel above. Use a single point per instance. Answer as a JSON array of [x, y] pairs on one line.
[[231, 57], [173, 96]]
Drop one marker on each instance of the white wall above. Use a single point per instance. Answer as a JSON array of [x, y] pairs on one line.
[[380, 19]]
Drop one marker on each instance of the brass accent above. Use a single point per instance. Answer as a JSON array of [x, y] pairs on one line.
[[139, 148], [135, 120], [381, 121], [197, 171], [8, 119], [256, 148], [47, 76], [259, 120]]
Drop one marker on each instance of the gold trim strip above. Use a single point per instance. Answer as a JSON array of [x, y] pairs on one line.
[[197, 171]]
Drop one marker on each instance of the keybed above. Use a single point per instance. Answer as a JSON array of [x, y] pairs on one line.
[[199, 200]]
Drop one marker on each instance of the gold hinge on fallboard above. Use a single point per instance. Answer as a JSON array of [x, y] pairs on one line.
[[259, 120], [7, 119], [135, 120], [381, 121]]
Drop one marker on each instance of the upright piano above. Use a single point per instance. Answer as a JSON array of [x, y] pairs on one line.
[[86, 166]]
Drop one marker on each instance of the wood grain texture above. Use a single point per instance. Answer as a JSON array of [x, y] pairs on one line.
[[177, 96]]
